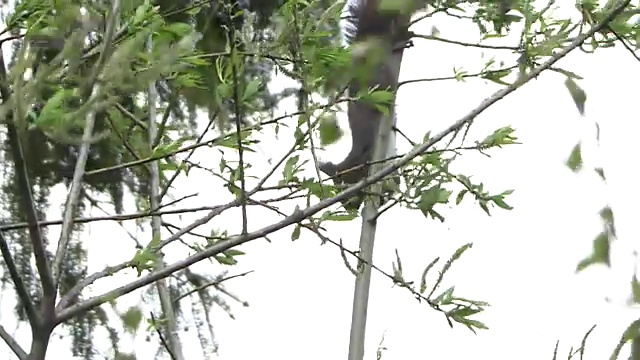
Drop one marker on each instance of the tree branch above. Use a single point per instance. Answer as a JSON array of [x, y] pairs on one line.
[[78, 173], [173, 347], [26, 196], [21, 289], [124, 217], [13, 344]]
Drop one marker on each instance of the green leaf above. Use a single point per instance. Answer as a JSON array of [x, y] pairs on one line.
[[381, 99], [131, 319], [340, 216], [179, 29], [445, 298], [124, 356], [475, 324], [499, 201], [167, 166], [606, 214], [141, 14], [253, 87], [601, 248], [459, 251], [463, 312], [585, 263], [317, 189], [143, 260], [330, 131], [295, 235], [234, 252], [432, 196], [53, 111], [402, 7], [290, 168], [632, 332], [502, 136], [168, 149], [397, 270], [460, 196], [423, 280], [392, 6], [600, 254], [225, 260], [567, 73], [497, 76], [635, 289], [575, 158], [578, 95]]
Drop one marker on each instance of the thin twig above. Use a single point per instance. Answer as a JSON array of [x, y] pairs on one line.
[[211, 283], [461, 43], [238, 122], [124, 217], [165, 344]]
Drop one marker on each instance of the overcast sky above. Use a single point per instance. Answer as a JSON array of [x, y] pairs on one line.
[[522, 262]]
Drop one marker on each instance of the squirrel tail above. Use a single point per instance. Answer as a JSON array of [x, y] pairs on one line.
[[365, 19]]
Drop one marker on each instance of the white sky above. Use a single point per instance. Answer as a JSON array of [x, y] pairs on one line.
[[523, 261]]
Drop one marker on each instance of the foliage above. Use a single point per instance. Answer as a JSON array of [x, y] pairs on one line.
[[94, 99]]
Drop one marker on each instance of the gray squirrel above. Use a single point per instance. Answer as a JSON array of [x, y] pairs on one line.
[[368, 22]]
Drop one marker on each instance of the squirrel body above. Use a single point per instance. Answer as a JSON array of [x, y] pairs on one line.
[[370, 24]]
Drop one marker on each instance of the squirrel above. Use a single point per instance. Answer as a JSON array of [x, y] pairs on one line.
[[370, 23]]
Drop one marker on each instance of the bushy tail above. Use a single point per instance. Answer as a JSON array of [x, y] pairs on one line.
[[364, 19]]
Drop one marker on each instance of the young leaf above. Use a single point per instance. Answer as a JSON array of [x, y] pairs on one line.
[[330, 131], [575, 158], [251, 90], [131, 319], [295, 235], [635, 289], [578, 95], [446, 297], [601, 247], [631, 333], [423, 280], [342, 216], [225, 260], [290, 168], [460, 196]]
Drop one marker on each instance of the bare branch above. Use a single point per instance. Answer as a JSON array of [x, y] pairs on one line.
[[465, 44], [78, 173], [133, 216], [214, 283], [75, 291], [165, 345], [369, 222], [113, 269], [26, 197], [173, 347], [13, 344], [74, 192], [21, 289]]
